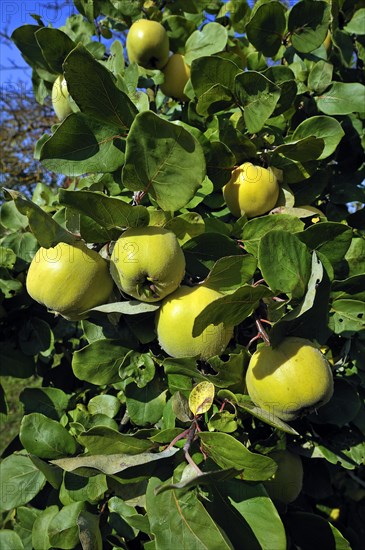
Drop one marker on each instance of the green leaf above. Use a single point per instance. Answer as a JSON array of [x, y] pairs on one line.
[[323, 127], [11, 218], [45, 437], [47, 232], [109, 212], [9, 540], [283, 77], [256, 228], [180, 516], [203, 251], [308, 24], [307, 529], [186, 226], [107, 441], [342, 98], [265, 29], [342, 408], [25, 40], [35, 337], [231, 309], [190, 478], [265, 416], [164, 160], [98, 363], [249, 513], [77, 488], [14, 362], [229, 452], [211, 39], [258, 96], [55, 46], [285, 263], [25, 518], [81, 145], [329, 238], [207, 72], [302, 150], [145, 405], [63, 529], [320, 76], [347, 316], [105, 404], [40, 539], [89, 531], [356, 25], [231, 272], [128, 307], [21, 481], [100, 99], [51, 402], [116, 462], [217, 98]]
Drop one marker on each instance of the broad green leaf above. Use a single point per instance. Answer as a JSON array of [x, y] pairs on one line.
[[9, 540], [320, 76], [125, 520], [82, 145], [89, 531], [63, 530], [249, 513], [100, 99], [256, 228], [329, 238], [347, 316], [206, 72], [285, 263], [323, 127], [229, 452], [21, 481], [309, 529], [308, 24], [258, 96], [77, 488], [47, 232], [52, 402], [25, 40], [217, 98], [14, 363], [45, 437], [302, 150], [52, 474], [203, 251], [265, 29], [35, 336], [342, 408], [283, 77], [11, 218], [352, 288], [342, 98], [222, 421], [109, 212], [128, 307], [231, 272], [201, 398], [192, 479], [264, 416], [229, 372], [25, 518], [114, 463], [105, 404], [106, 441], [40, 539], [231, 309], [98, 363], [186, 226], [145, 405], [211, 39], [178, 29], [356, 25], [164, 160], [180, 516], [55, 46]]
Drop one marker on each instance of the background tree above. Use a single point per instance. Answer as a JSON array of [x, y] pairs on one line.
[[124, 445]]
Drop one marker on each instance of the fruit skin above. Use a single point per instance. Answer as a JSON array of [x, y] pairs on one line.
[[287, 482], [291, 380], [176, 73], [69, 279], [175, 321], [148, 44], [147, 263], [61, 98], [252, 190]]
